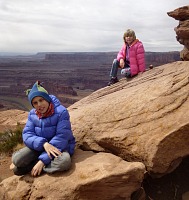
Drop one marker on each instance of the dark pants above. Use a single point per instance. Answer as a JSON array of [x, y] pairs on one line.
[[115, 66]]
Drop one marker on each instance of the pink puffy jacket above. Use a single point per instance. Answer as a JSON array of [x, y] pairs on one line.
[[136, 57]]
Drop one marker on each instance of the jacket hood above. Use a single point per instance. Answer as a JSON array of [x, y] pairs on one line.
[[55, 101]]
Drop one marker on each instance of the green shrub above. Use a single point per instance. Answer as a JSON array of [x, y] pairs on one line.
[[10, 139]]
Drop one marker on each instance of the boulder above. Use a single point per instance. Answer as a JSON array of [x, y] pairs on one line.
[[143, 119], [182, 30], [9, 119], [184, 54], [92, 176], [181, 13]]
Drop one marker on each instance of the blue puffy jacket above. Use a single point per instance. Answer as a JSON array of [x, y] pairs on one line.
[[55, 130]]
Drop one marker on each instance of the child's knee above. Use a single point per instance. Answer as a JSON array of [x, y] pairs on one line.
[[60, 163], [23, 157], [17, 159], [65, 161]]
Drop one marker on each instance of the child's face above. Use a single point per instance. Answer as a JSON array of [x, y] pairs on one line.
[[129, 39], [40, 104]]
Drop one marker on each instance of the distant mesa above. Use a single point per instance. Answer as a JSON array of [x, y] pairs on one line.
[[70, 76]]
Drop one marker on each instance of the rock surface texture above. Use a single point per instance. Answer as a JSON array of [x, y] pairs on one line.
[[93, 176], [182, 30], [9, 119], [144, 119], [134, 128]]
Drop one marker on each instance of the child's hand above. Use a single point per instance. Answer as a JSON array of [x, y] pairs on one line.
[[51, 150], [122, 63], [37, 169]]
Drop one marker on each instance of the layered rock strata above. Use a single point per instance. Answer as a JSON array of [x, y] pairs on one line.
[[143, 119], [182, 30], [93, 176]]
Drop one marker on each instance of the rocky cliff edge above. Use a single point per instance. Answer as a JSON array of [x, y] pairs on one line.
[[123, 131]]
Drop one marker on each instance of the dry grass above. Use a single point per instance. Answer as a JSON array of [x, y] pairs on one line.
[[10, 139]]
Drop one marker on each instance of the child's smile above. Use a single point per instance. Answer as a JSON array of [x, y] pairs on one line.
[[40, 104]]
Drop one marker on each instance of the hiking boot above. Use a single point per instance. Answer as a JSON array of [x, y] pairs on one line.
[[113, 81]]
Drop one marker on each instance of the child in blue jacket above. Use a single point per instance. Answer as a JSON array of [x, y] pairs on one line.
[[47, 135]]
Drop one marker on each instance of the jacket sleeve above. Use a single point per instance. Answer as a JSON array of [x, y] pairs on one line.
[[121, 54], [63, 137], [141, 58], [30, 138]]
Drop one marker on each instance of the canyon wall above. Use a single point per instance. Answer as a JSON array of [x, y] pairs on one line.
[[70, 76]]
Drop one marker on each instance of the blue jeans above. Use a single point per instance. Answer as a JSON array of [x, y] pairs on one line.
[[26, 158], [115, 66]]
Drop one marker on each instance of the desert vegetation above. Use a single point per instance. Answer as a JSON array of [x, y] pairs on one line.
[[9, 140]]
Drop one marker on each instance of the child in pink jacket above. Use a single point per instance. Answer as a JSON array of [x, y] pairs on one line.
[[131, 58]]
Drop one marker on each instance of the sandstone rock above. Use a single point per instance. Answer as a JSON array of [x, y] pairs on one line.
[[11, 118], [184, 54], [181, 13], [144, 119], [93, 176], [182, 30]]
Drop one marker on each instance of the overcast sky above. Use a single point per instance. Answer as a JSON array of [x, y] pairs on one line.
[[31, 26]]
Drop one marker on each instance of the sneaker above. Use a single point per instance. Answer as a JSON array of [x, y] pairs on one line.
[[113, 81], [126, 72]]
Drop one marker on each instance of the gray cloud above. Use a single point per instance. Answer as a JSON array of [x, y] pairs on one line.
[[86, 25]]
